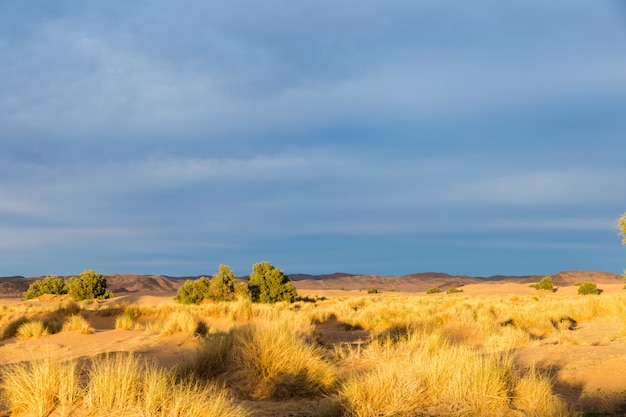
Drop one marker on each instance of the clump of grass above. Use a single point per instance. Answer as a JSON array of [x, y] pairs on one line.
[[210, 358], [427, 375], [37, 387], [11, 328], [125, 321], [184, 322], [122, 384], [32, 329], [114, 382], [76, 322], [275, 360]]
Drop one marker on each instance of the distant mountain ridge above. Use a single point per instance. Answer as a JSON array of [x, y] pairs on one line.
[[15, 286]]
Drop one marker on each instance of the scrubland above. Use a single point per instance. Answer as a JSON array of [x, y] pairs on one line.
[[355, 355]]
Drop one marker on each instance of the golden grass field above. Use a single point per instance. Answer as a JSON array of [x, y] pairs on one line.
[[491, 350]]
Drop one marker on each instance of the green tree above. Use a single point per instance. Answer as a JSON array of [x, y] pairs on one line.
[[268, 284], [621, 224], [587, 288], [545, 284], [224, 284], [194, 291], [49, 285], [91, 285]]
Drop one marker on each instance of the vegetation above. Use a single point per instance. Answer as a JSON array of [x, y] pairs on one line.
[[544, 284], [268, 284], [90, 286], [621, 225], [434, 290], [222, 287], [51, 284], [454, 290], [588, 288], [373, 291], [407, 356]]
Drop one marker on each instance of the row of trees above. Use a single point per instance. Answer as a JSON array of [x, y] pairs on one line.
[[90, 285], [266, 284]]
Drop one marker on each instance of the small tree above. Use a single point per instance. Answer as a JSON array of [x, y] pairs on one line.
[[587, 288], [49, 285], [621, 225], [268, 284], [224, 284], [194, 291], [91, 285], [544, 284]]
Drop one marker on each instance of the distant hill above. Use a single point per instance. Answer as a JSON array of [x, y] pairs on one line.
[[120, 284]]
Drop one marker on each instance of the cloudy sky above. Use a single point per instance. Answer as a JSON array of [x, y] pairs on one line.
[[380, 137]]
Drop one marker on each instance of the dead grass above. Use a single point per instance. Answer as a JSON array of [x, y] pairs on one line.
[[444, 356]]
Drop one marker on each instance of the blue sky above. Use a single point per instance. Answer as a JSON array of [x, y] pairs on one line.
[[378, 137]]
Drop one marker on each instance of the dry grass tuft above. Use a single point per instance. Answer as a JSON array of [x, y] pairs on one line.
[[275, 359], [32, 329], [184, 322], [77, 323], [37, 387]]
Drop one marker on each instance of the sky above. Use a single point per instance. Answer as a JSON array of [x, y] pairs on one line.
[[374, 136]]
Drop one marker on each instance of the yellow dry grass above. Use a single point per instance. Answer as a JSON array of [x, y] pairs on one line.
[[437, 355]]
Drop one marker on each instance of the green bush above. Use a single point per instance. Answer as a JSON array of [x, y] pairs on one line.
[[222, 287], [434, 290], [544, 284], [268, 284], [453, 290], [90, 286], [49, 285], [373, 291], [194, 291], [587, 288]]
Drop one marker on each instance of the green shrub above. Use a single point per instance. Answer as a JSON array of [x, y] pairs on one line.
[[544, 284], [222, 287], [587, 288], [268, 284], [89, 286], [454, 290], [49, 285], [373, 291], [434, 290], [194, 291]]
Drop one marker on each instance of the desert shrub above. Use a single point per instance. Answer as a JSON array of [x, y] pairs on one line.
[[454, 290], [76, 322], [49, 285], [221, 287], [268, 284], [90, 286], [434, 290], [544, 284], [373, 291], [194, 291], [587, 288], [223, 284]]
